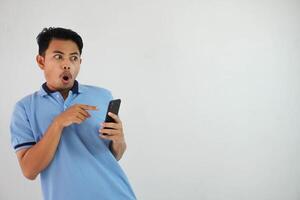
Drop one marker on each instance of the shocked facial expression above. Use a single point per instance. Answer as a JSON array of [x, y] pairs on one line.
[[61, 64]]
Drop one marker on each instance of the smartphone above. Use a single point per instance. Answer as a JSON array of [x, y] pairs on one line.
[[113, 106]]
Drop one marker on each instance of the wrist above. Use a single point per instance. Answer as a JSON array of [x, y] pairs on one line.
[[57, 123], [119, 142]]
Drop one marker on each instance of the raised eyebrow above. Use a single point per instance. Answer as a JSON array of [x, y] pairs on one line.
[[74, 53], [56, 51], [60, 52]]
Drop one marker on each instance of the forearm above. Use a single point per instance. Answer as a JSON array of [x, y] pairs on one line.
[[118, 149], [41, 154]]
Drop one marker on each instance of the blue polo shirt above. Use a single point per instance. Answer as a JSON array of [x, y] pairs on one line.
[[83, 167]]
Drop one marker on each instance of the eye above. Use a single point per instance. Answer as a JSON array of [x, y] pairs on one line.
[[57, 56], [74, 58]]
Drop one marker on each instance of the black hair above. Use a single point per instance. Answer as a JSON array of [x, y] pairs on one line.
[[48, 34]]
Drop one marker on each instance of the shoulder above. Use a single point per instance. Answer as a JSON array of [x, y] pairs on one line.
[[95, 90], [26, 100], [24, 105]]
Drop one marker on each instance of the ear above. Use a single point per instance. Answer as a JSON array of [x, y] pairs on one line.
[[80, 60], [40, 61]]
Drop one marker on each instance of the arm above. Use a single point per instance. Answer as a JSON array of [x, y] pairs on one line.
[[118, 149], [36, 158]]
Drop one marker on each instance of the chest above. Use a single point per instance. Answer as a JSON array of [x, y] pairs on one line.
[[43, 113]]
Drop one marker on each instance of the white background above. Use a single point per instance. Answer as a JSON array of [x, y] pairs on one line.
[[210, 91]]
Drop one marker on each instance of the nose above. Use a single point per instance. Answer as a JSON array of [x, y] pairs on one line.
[[66, 64]]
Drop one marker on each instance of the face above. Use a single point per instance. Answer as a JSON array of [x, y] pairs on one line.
[[60, 64]]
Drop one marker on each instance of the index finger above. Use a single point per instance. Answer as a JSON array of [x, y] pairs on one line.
[[88, 107], [115, 117]]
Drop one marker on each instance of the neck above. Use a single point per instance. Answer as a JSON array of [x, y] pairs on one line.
[[64, 93]]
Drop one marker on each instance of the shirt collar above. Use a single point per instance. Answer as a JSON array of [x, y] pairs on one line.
[[45, 90]]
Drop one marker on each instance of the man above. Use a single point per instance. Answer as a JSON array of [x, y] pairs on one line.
[[59, 133]]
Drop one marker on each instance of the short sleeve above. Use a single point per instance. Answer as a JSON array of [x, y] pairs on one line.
[[20, 129]]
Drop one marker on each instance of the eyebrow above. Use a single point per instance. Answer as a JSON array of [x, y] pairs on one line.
[[57, 51]]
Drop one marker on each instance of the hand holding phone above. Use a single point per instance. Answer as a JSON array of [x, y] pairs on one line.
[[113, 107]]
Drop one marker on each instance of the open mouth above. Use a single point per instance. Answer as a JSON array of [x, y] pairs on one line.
[[66, 77]]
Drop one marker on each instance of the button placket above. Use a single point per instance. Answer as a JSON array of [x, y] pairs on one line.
[[65, 106], [58, 98], [67, 102]]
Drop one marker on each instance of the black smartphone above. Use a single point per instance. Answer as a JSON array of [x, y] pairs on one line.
[[113, 106]]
